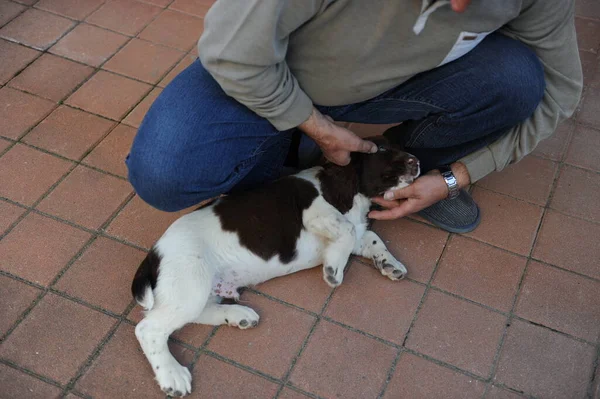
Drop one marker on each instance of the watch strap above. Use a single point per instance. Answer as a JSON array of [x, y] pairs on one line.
[[450, 180]]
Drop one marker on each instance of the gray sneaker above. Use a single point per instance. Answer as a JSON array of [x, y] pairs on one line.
[[458, 215]]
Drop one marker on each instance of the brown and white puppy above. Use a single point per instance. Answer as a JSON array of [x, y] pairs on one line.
[[316, 217]]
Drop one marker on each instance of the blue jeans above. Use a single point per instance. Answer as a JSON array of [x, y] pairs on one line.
[[196, 142]]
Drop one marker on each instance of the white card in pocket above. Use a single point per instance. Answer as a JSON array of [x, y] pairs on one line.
[[466, 42]]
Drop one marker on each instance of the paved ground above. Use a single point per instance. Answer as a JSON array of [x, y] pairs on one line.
[[511, 309]]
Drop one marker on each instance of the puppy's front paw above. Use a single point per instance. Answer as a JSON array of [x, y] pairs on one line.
[[391, 268], [332, 276], [174, 379]]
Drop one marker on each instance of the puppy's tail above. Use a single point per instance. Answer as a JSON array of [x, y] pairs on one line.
[[144, 280]]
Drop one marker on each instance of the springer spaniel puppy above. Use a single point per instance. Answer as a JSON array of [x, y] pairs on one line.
[[316, 217]]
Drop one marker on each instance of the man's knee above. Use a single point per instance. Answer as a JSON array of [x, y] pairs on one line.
[[519, 82], [157, 182]]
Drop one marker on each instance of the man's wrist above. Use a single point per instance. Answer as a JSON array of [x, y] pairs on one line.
[[460, 172]]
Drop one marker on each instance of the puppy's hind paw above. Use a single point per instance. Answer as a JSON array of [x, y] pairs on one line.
[[242, 317], [174, 379], [332, 276]]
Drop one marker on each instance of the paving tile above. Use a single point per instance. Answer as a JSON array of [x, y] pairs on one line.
[[198, 8], [102, 275], [160, 3], [370, 302], [35, 28], [56, 338], [75, 9], [136, 116], [14, 58], [69, 132], [17, 297], [144, 60], [480, 273], [584, 150], [506, 222], [89, 44], [4, 144], [499, 393], [577, 193], [588, 34], [530, 179], [16, 384], [589, 110], [543, 363], [128, 224], [272, 345], [589, 65], [9, 10], [110, 154], [457, 332], [596, 385], [569, 243], [416, 377], [416, 245], [208, 381], [193, 334], [305, 289], [9, 213], [555, 146], [184, 63], [587, 8], [51, 77], [109, 95], [20, 111], [86, 197], [39, 247], [288, 393], [174, 29], [561, 300], [123, 363], [124, 16], [26, 174], [329, 365]]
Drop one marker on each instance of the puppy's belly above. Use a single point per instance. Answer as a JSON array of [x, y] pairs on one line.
[[309, 249]]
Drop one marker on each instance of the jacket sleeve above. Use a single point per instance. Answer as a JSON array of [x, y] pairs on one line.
[[547, 27], [244, 46]]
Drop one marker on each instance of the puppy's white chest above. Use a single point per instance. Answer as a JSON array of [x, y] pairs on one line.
[[357, 215]]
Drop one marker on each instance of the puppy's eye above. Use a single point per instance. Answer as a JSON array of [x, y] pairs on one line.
[[382, 149]]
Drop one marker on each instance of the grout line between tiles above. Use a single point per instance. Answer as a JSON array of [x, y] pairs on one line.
[[390, 373], [25, 370], [595, 375], [16, 15]]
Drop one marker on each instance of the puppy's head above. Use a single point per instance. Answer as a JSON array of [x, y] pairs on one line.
[[389, 168]]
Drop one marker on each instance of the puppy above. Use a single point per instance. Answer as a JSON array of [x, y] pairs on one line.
[[316, 217]]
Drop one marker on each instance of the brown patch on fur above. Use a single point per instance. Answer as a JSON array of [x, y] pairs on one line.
[[268, 220]]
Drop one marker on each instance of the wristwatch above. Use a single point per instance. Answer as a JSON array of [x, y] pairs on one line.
[[451, 181]]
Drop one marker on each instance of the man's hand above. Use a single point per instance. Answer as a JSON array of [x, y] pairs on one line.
[[459, 5], [424, 192], [335, 141]]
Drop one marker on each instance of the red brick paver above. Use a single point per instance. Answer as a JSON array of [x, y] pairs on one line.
[[508, 311]]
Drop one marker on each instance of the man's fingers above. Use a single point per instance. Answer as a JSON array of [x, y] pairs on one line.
[[360, 145], [460, 5], [341, 158], [385, 203], [403, 193], [388, 214]]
